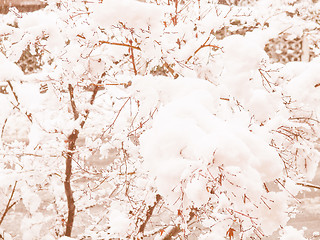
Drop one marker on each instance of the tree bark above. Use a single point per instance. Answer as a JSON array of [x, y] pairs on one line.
[[67, 184], [149, 214], [72, 138]]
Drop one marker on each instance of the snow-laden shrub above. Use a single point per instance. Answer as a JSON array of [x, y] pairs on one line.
[[169, 131]]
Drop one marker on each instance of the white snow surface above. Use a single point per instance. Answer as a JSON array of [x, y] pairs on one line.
[[187, 133], [9, 71], [141, 14], [289, 233]]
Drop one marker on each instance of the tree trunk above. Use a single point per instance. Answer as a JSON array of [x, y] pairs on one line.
[[67, 184]]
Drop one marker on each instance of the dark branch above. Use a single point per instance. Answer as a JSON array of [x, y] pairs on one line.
[[177, 229], [173, 232], [149, 214], [73, 104], [93, 97], [13, 92], [72, 138], [308, 185], [67, 184]]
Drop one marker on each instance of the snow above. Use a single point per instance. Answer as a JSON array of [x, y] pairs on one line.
[[30, 200], [291, 233], [195, 192], [9, 71], [226, 140], [119, 222], [141, 14], [303, 86]]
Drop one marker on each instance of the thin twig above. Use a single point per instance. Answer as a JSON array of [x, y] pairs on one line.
[[288, 191], [133, 62], [28, 115], [310, 185], [215, 48], [305, 119], [115, 119], [13, 92], [143, 123], [8, 207], [119, 44], [3, 127]]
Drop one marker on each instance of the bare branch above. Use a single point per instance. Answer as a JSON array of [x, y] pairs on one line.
[[67, 185], [149, 214], [120, 44], [3, 127], [173, 232], [132, 58], [28, 115], [177, 229], [310, 185], [167, 66], [72, 138], [115, 119], [9, 206], [73, 104], [298, 201], [13, 92], [214, 47]]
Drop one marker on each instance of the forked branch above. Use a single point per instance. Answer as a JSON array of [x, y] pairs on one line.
[[9, 205], [72, 138]]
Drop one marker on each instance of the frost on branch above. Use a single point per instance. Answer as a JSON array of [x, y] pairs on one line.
[[170, 128]]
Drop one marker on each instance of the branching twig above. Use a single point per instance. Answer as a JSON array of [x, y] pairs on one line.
[[130, 46], [265, 79], [115, 119], [203, 46], [9, 206], [166, 65], [144, 122], [28, 115]]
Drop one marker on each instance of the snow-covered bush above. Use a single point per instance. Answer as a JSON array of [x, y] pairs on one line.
[[151, 126]]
